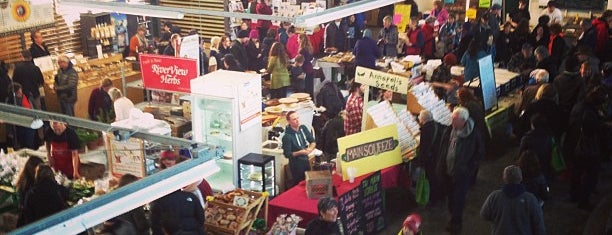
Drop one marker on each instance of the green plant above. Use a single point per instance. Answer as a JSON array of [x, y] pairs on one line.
[[86, 135]]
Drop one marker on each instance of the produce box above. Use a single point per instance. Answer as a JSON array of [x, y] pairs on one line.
[[318, 184], [230, 214]]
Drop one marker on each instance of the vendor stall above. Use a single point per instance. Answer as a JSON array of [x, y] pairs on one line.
[[91, 73]]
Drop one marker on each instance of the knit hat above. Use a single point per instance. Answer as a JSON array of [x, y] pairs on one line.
[[496, 6], [450, 59], [254, 34], [367, 33], [167, 155], [413, 222], [243, 34]]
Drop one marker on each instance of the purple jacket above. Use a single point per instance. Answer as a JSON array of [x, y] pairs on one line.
[[366, 52]]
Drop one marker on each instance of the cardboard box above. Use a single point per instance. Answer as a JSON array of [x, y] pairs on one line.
[[318, 184]]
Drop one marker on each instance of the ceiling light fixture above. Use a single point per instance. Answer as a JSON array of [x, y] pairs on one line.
[[341, 12], [125, 8]]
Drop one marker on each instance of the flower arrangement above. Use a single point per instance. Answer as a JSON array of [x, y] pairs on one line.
[[9, 169]]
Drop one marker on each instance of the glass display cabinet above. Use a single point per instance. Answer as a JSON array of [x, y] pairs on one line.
[[226, 113], [256, 173]]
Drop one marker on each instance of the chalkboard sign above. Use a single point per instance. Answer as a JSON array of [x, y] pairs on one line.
[[361, 209], [371, 204], [350, 211], [595, 5]]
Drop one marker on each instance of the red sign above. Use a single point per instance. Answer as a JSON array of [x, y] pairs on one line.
[[168, 73]]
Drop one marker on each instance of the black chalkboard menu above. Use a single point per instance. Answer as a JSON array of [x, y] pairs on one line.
[[372, 204], [350, 211], [361, 209]]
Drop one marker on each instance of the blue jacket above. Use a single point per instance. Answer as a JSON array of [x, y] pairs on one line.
[[471, 65], [366, 52]]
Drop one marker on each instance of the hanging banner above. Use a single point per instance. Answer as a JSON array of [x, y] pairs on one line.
[[387, 81], [168, 73], [369, 151], [190, 48], [126, 157], [22, 15], [401, 16]]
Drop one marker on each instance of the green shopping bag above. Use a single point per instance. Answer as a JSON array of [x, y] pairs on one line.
[[557, 161], [422, 189]]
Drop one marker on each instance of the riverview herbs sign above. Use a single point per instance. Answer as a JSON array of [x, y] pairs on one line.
[[361, 209], [168, 73], [370, 150]]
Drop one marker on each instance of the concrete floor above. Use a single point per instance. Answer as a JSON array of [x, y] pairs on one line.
[[560, 215]]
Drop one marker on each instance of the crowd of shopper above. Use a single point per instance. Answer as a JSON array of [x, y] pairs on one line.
[[565, 102]]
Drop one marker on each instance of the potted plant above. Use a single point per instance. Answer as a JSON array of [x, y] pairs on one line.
[[88, 138]]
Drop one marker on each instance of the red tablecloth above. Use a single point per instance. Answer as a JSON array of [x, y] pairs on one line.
[[295, 201]]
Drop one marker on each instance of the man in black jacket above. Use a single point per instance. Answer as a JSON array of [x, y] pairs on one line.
[[31, 79], [181, 209], [238, 48], [38, 47], [461, 148]]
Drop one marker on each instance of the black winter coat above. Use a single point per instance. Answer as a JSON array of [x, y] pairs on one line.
[[44, 199], [184, 207]]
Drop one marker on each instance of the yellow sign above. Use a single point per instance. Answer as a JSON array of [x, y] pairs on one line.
[[484, 3], [382, 80], [401, 16], [471, 13], [369, 151]]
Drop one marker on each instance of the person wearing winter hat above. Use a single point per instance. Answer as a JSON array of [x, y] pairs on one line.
[[512, 209], [167, 158], [411, 225], [238, 48]]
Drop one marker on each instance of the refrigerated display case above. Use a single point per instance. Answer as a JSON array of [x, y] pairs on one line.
[[256, 173], [226, 112]]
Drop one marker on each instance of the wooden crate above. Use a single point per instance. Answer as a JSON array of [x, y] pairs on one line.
[[218, 210]]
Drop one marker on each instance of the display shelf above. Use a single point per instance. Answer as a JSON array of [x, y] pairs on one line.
[[256, 172]]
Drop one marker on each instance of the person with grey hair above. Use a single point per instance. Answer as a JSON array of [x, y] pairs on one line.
[[327, 222], [387, 38], [512, 209], [461, 148], [366, 52], [537, 77], [65, 85], [428, 154], [543, 62]]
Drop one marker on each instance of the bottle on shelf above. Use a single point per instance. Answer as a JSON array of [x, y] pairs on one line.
[[102, 33], [97, 31]]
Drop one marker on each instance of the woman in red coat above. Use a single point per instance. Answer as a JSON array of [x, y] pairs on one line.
[[414, 45], [429, 40]]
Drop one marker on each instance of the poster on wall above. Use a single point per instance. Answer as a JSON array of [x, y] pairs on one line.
[[23, 15], [487, 82], [369, 151], [249, 109], [120, 22], [126, 157], [401, 16], [168, 73]]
